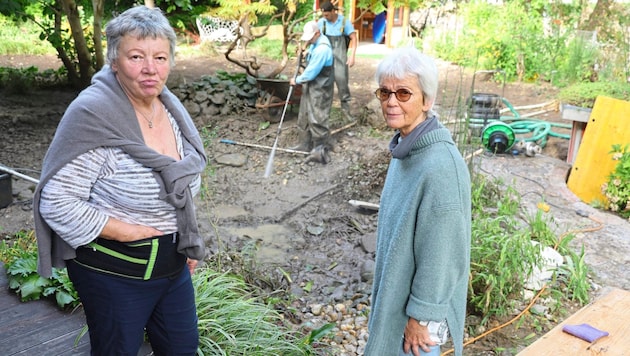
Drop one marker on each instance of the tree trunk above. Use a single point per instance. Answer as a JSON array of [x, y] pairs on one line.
[[600, 15], [83, 53], [149, 3], [73, 77], [98, 9]]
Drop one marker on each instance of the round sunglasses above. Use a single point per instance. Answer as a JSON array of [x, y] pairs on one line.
[[402, 95]]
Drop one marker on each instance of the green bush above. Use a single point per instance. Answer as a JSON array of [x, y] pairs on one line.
[[22, 38], [505, 250], [24, 80], [584, 94], [19, 255], [534, 40], [617, 187], [508, 37], [234, 322]]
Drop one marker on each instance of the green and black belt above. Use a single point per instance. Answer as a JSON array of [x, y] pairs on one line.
[[150, 258]]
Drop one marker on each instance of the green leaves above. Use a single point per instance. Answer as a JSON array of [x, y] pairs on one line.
[[617, 188], [507, 245], [20, 259]]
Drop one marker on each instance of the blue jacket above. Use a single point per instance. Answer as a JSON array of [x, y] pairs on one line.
[[320, 55]]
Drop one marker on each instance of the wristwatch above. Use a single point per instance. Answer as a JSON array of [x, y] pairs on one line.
[[423, 323]]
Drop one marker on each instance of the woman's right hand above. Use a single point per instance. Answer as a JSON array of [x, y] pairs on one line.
[[124, 232]]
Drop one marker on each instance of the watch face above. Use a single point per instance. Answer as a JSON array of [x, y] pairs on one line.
[[423, 323]]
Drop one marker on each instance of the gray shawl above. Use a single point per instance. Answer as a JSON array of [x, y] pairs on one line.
[[101, 116]]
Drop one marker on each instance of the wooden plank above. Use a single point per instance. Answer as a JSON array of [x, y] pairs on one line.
[[39, 327], [610, 313], [35, 331], [608, 125]]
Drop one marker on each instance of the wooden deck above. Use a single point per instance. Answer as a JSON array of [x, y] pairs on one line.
[[610, 313], [40, 327]]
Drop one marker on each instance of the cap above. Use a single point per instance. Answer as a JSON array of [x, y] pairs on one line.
[[310, 29], [327, 6]]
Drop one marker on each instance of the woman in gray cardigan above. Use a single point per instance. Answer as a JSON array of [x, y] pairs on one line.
[[423, 244], [115, 200]]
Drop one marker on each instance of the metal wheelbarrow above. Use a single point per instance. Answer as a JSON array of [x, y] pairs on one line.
[[272, 97]]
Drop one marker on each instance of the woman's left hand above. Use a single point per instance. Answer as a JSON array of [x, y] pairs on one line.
[[191, 265]]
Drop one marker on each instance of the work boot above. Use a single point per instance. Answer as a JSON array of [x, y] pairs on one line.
[[304, 142], [345, 109], [325, 142], [319, 154]]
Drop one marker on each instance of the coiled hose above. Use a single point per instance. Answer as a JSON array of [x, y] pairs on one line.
[[529, 129]]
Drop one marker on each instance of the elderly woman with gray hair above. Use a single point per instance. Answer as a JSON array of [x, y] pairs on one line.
[[424, 223], [115, 200]]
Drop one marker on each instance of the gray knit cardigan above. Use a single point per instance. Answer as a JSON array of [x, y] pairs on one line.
[[103, 116]]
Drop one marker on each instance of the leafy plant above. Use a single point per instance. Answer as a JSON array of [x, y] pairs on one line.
[[580, 61], [574, 274], [617, 188], [21, 37], [20, 259], [505, 251], [24, 80], [584, 94], [234, 322]]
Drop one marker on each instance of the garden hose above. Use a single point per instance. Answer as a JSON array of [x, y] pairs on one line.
[[528, 130], [498, 137]]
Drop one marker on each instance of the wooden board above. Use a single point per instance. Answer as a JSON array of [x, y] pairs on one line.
[[610, 313], [39, 327], [607, 125]]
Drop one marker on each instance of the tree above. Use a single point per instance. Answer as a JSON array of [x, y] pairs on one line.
[[66, 25], [247, 13], [63, 25]]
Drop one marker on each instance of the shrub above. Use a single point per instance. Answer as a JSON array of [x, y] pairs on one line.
[[505, 251], [584, 94], [617, 188], [20, 259]]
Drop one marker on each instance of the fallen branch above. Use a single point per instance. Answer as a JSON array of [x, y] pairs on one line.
[[302, 204]]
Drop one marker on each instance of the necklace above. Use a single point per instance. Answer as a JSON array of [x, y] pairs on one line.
[[149, 118]]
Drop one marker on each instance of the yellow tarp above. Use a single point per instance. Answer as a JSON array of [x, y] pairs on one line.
[[608, 124]]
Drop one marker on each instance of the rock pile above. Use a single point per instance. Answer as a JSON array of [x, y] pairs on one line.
[[222, 94]]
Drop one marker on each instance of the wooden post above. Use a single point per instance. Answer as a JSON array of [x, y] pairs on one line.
[[389, 23], [405, 24]]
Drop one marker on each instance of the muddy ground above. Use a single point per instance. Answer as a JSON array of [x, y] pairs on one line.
[[298, 220]]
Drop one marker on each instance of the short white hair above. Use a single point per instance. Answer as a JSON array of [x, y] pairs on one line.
[[409, 61]]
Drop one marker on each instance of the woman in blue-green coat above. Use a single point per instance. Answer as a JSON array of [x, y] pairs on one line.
[[423, 244]]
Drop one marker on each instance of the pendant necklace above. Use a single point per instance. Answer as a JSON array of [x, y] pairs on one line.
[[149, 120]]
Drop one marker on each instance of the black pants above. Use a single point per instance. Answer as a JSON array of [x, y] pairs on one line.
[[119, 309]]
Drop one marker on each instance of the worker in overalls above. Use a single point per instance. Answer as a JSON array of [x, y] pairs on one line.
[[339, 30], [317, 92]]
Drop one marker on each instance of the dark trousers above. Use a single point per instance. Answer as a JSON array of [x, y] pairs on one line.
[[118, 310]]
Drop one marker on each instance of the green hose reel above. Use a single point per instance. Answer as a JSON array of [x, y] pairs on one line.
[[498, 137]]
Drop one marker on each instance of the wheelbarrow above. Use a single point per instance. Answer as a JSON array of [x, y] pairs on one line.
[[273, 95]]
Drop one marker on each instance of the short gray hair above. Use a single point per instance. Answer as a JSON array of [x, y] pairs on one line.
[[141, 22], [409, 61]]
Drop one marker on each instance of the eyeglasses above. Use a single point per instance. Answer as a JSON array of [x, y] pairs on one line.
[[402, 95]]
